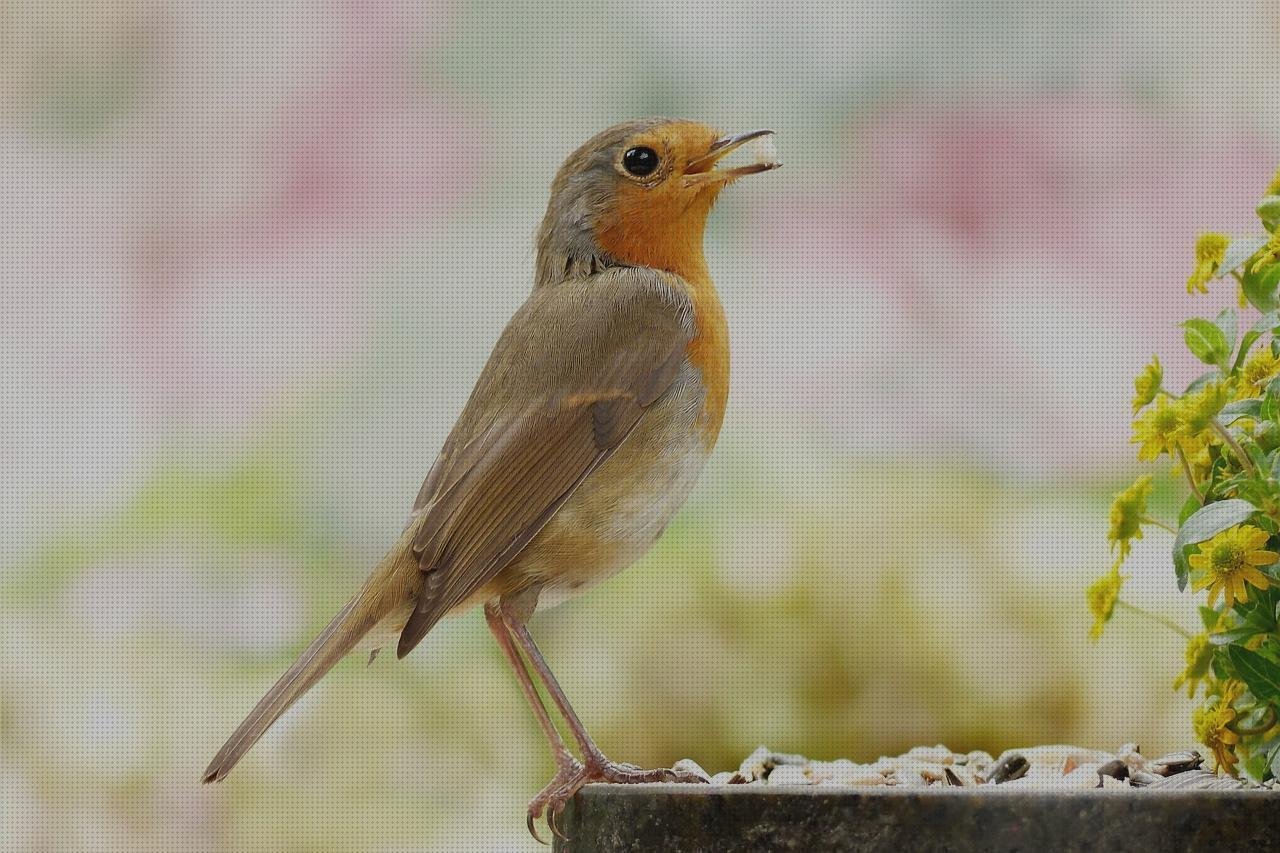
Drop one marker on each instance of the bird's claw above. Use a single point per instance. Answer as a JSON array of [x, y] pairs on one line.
[[572, 778], [568, 771], [553, 821], [533, 828]]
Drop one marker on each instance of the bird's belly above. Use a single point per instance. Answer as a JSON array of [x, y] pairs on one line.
[[621, 509]]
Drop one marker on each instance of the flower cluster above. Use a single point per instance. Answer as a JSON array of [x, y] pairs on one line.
[[1222, 434]]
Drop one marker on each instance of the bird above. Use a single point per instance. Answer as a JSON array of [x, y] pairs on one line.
[[586, 430]]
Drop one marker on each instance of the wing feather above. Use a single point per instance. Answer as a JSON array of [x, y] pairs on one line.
[[569, 380]]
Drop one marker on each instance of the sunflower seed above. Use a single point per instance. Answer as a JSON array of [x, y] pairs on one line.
[[1115, 768], [1197, 780], [1176, 762], [1010, 766]]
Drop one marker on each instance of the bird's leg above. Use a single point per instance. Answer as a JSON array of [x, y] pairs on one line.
[[567, 767], [522, 636], [595, 766]]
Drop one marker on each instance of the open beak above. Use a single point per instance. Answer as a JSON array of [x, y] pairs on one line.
[[703, 171]]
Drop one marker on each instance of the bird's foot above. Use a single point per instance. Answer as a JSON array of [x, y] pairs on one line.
[[568, 770], [571, 778]]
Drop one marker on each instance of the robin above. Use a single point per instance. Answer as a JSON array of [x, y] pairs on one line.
[[584, 434]]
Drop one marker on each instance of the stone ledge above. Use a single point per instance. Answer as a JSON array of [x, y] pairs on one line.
[[617, 818]]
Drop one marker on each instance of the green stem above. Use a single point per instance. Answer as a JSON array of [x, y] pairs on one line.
[[1154, 617], [1235, 448], [1146, 519], [1186, 469]]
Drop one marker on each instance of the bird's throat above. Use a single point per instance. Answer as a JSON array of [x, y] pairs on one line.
[[671, 248]]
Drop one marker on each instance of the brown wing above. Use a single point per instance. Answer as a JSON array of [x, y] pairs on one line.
[[570, 378]]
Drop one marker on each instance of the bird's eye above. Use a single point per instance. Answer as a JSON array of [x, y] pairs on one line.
[[640, 161]]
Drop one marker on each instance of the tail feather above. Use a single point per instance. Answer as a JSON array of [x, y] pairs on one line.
[[339, 637]]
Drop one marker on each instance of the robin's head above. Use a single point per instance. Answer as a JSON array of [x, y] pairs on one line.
[[639, 194]]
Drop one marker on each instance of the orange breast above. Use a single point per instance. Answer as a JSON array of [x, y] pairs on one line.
[[709, 352], [667, 235]]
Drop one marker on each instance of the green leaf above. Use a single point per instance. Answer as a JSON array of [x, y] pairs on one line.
[[1255, 453], [1269, 210], [1229, 325], [1268, 433], [1189, 508], [1273, 761], [1260, 673], [1206, 341], [1271, 403], [1245, 345], [1233, 412], [1254, 764], [1270, 400], [1270, 276], [1266, 323], [1257, 622], [1240, 250], [1260, 287], [1203, 524], [1202, 380], [1258, 609]]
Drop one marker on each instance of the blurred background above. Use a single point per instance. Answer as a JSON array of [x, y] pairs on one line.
[[253, 256]]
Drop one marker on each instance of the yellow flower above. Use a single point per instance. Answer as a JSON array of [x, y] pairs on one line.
[[1211, 251], [1127, 513], [1274, 187], [1212, 726], [1199, 655], [1228, 564], [1261, 367], [1102, 595], [1198, 457], [1270, 252], [1196, 412], [1154, 430], [1147, 384]]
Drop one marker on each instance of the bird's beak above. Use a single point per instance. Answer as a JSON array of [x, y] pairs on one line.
[[703, 171]]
